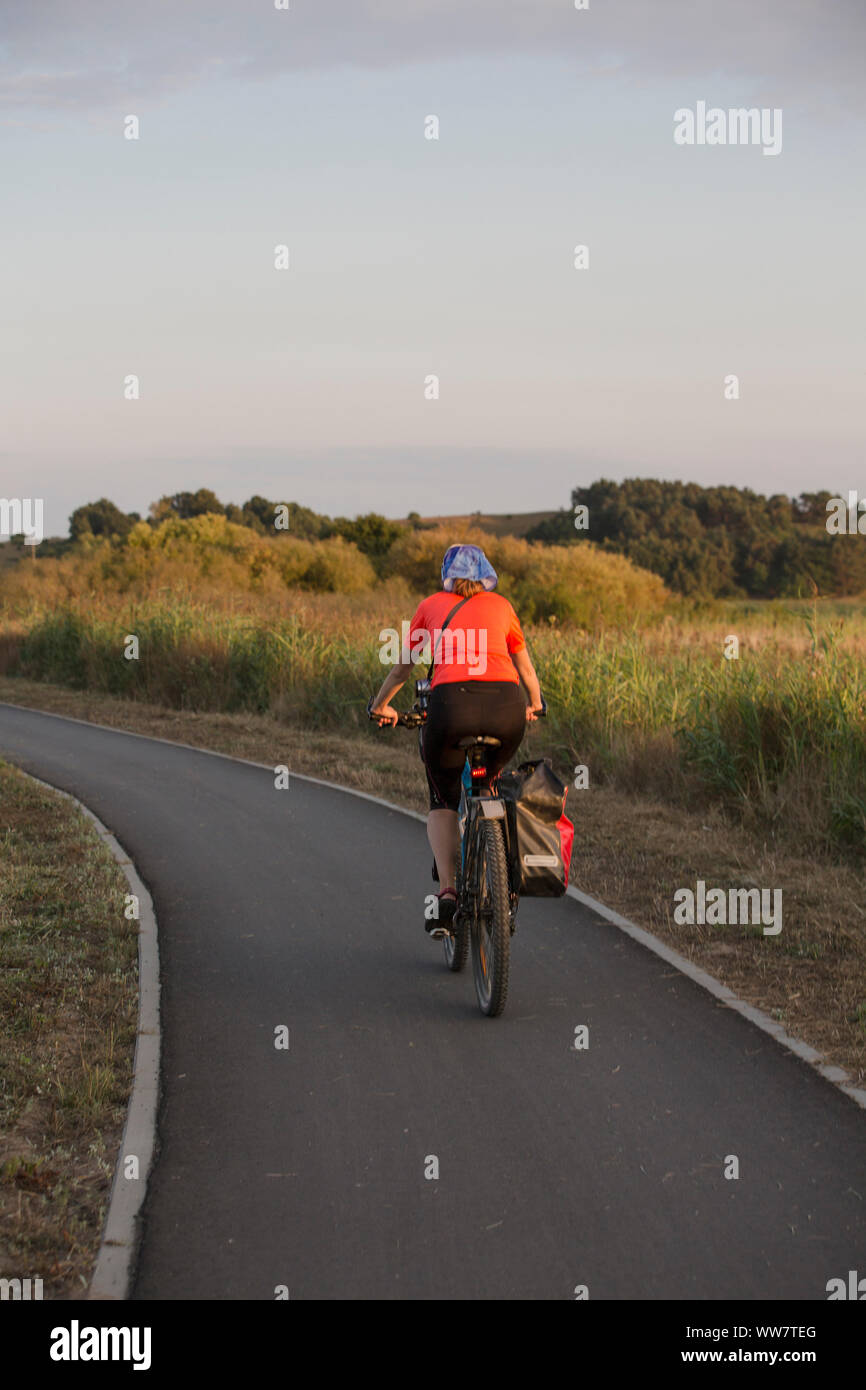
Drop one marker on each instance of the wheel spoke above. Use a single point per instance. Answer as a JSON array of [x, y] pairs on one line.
[[491, 917]]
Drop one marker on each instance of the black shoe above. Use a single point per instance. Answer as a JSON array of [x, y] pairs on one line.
[[440, 926]]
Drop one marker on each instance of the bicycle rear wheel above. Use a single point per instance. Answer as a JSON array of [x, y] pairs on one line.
[[491, 922]]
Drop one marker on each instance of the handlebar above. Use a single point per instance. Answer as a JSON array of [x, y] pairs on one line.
[[413, 718]]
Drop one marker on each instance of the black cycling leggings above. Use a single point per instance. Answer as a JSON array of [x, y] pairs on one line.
[[457, 709]]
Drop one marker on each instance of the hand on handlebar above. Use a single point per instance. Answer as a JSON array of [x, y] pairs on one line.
[[534, 712], [384, 714]]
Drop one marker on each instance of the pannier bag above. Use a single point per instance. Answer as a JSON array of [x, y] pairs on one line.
[[540, 835]]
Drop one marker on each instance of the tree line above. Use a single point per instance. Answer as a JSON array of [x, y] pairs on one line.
[[372, 534], [724, 542]]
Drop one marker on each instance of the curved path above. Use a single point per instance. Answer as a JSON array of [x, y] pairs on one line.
[[556, 1168]]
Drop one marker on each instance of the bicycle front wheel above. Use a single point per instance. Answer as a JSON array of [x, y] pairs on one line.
[[491, 922]]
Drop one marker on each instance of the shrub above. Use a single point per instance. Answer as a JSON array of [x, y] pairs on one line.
[[339, 567], [570, 584]]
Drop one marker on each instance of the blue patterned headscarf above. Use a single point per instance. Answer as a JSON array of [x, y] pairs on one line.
[[467, 562]]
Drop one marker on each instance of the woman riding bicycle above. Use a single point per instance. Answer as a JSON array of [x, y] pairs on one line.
[[475, 689]]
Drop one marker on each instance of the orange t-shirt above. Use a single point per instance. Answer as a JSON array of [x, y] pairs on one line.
[[477, 643]]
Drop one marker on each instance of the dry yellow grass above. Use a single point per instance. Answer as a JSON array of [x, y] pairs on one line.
[[68, 1009]]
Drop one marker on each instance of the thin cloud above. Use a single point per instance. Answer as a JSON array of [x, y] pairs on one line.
[[97, 53]]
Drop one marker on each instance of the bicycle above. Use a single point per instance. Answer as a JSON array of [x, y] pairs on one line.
[[486, 915]]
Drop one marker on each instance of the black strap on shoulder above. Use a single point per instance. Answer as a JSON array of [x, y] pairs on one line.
[[442, 629]]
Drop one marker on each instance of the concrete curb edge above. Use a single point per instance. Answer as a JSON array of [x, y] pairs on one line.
[[114, 1267]]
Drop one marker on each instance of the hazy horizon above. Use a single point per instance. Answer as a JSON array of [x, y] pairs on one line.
[[411, 257]]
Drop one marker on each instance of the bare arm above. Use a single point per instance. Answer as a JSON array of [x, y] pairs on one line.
[[527, 673], [394, 681]]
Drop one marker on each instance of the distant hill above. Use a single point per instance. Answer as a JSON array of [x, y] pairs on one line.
[[499, 524]]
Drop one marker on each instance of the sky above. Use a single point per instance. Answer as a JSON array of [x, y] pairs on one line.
[[412, 257]]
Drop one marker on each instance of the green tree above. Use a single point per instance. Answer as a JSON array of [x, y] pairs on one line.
[[305, 524], [810, 508], [717, 541], [372, 534], [185, 505], [259, 514], [101, 518]]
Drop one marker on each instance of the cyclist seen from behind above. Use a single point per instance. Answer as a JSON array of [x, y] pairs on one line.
[[479, 659]]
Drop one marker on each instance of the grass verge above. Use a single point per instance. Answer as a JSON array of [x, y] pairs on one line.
[[68, 1015]]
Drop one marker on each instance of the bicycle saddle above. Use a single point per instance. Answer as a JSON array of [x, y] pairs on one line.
[[474, 740]]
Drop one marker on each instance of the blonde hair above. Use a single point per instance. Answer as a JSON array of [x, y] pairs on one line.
[[467, 587]]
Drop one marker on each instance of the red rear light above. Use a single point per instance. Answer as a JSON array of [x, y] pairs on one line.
[[479, 772]]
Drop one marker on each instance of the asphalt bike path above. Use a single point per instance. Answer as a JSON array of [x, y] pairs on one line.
[[314, 1167]]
